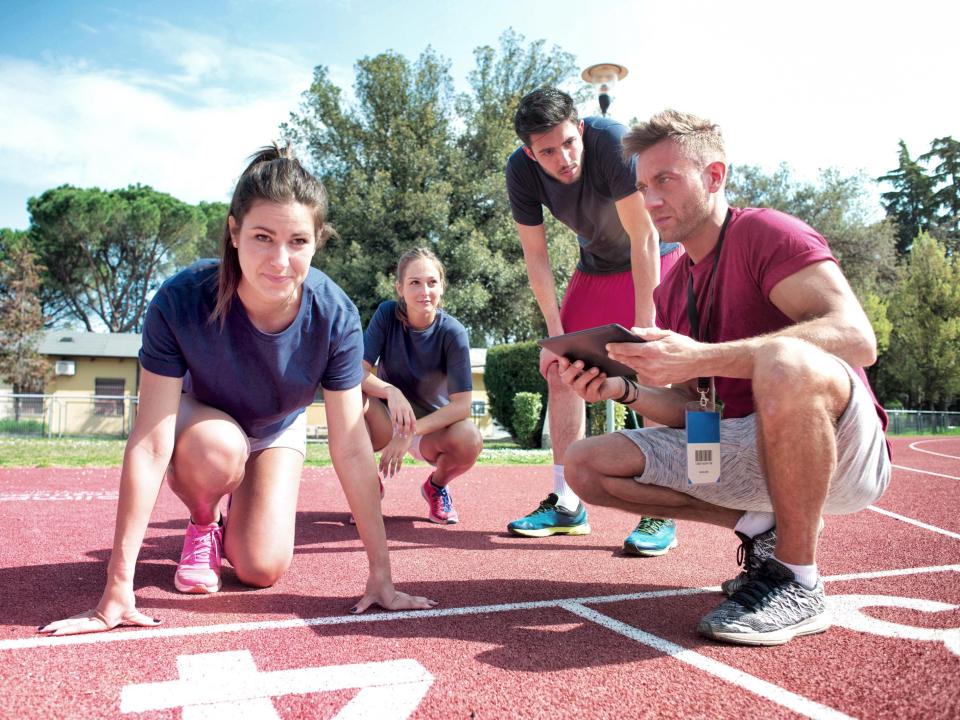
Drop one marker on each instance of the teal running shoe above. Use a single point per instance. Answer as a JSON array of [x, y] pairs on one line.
[[651, 537], [548, 519]]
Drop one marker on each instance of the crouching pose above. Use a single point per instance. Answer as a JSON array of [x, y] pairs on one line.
[[760, 312], [233, 351], [419, 396]]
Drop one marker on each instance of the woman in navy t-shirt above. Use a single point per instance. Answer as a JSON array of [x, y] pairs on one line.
[[233, 352], [419, 397]]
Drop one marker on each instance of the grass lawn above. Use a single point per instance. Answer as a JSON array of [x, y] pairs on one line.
[[95, 452], [92, 452]]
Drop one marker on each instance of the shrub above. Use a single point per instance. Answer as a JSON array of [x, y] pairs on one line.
[[527, 409], [597, 418], [513, 369]]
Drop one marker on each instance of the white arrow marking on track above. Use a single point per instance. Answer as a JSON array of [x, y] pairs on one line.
[[227, 685], [847, 611]]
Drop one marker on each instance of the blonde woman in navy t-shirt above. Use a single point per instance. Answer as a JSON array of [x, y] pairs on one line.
[[419, 395], [233, 352]]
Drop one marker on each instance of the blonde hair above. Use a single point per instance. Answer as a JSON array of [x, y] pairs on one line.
[[699, 139], [274, 175], [417, 253]]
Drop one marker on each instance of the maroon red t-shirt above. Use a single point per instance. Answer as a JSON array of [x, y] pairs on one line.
[[761, 248]]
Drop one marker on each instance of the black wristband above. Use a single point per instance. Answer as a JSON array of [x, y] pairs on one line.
[[627, 385]]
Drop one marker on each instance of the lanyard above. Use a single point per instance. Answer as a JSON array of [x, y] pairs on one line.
[[693, 315]]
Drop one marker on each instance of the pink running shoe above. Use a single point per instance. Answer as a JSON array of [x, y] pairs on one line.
[[440, 502], [199, 568], [352, 520]]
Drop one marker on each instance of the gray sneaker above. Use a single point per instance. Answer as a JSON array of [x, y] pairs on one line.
[[770, 608], [751, 554]]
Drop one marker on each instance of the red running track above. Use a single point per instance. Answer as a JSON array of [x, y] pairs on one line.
[[559, 628]]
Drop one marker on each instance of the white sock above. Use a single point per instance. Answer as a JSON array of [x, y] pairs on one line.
[[754, 522], [806, 575], [566, 498]]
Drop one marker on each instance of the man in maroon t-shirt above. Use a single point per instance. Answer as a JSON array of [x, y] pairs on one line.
[[760, 314]]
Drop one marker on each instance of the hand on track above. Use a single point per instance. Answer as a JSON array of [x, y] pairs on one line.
[[93, 621]]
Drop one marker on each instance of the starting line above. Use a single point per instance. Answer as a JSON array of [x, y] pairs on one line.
[[162, 633], [222, 685]]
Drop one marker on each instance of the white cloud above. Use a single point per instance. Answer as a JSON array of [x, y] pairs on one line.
[[186, 132]]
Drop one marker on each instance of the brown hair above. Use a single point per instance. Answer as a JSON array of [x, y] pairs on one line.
[[417, 253], [699, 139], [273, 175], [541, 110]]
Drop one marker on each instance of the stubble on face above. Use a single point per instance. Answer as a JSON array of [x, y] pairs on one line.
[[674, 186]]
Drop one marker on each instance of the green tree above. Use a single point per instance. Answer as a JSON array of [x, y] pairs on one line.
[[383, 161], [495, 299], [946, 176], [21, 317], [105, 252], [412, 163], [838, 207], [911, 204], [923, 361], [215, 220]]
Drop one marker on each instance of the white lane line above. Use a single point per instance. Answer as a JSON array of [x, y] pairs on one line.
[[925, 472], [766, 690], [911, 521], [877, 574], [45, 641], [914, 446]]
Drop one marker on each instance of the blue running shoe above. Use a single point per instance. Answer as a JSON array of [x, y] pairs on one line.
[[548, 519], [651, 537]]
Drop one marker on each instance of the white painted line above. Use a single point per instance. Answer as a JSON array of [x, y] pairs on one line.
[[847, 611], [925, 472], [766, 690], [915, 446], [75, 495], [228, 685], [911, 521], [901, 572], [46, 641]]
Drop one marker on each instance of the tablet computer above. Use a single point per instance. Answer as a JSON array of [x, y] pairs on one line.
[[589, 346]]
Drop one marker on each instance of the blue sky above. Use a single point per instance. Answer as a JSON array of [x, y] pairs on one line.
[[177, 94]]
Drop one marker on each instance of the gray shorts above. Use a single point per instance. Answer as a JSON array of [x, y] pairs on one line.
[[862, 474], [294, 437]]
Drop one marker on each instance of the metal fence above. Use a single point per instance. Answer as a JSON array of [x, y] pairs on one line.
[[112, 416], [67, 415], [905, 422]]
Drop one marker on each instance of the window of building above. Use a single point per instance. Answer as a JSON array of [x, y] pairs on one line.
[[108, 386]]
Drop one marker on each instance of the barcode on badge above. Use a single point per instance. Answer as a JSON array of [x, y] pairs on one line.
[[703, 456]]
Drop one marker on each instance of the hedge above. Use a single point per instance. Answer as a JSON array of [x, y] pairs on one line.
[[513, 369]]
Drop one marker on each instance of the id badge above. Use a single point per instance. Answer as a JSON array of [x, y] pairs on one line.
[[703, 443]]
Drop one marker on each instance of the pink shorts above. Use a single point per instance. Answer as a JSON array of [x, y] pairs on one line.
[[593, 300]]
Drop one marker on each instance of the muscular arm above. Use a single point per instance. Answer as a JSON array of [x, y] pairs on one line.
[[817, 298], [533, 240], [662, 405], [644, 256]]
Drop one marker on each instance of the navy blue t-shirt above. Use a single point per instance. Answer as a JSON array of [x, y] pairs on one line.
[[588, 206], [262, 380], [427, 366]]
